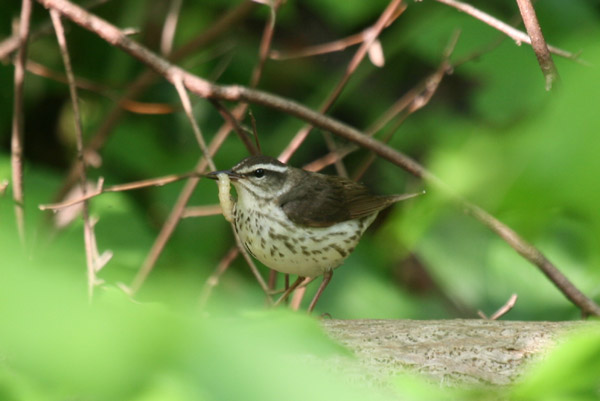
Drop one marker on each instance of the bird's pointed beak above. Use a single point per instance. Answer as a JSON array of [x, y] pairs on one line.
[[214, 175]]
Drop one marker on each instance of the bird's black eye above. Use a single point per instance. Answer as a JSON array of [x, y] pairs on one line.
[[259, 172]]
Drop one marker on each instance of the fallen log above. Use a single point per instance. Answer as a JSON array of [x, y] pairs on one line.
[[447, 351]]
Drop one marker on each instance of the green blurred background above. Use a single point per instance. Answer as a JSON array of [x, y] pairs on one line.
[[491, 132]]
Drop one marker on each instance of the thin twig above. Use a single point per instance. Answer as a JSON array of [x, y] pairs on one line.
[[518, 36], [259, 278], [330, 47], [12, 43], [413, 100], [298, 295], [177, 211], [220, 27], [532, 254], [201, 211], [254, 131], [272, 281], [233, 122], [187, 107], [408, 101], [386, 16], [18, 121], [3, 186], [168, 33], [152, 182], [88, 234], [265, 43], [538, 43], [504, 309], [130, 105], [207, 89], [213, 280]]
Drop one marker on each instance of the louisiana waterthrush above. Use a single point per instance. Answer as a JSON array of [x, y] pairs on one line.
[[299, 222]]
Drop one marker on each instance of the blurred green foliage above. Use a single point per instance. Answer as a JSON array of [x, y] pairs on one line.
[[491, 132]]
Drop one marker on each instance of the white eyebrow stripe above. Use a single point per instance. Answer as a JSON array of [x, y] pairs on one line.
[[270, 167]]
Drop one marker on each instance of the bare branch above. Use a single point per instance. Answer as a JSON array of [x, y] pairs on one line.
[[390, 13], [3, 186], [152, 182], [412, 101], [18, 131], [187, 107], [518, 36], [538, 42], [504, 309], [91, 252], [265, 43], [254, 131], [220, 26], [335, 46], [171, 223], [130, 105], [233, 122], [201, 211], [168, 33], [532, 254], [12, 43], [213, 280]]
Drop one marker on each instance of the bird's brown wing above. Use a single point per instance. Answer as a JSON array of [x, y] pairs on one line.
[[328, 200]]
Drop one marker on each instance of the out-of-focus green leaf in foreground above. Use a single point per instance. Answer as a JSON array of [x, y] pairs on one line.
[[570, 373], [55, 345]]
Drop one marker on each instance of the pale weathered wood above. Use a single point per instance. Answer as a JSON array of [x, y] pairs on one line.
[[447, 351]]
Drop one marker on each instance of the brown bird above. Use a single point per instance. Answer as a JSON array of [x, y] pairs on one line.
[[299, 222]]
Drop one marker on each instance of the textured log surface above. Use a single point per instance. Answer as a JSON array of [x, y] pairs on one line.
[[448, 351]]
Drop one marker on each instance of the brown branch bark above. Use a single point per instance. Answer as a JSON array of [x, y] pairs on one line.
[[330, 47], [88, 232], [513, 33], [532, 254], [234, 123], [168, 32], [206, 89], [151, 182], [538, 43]]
